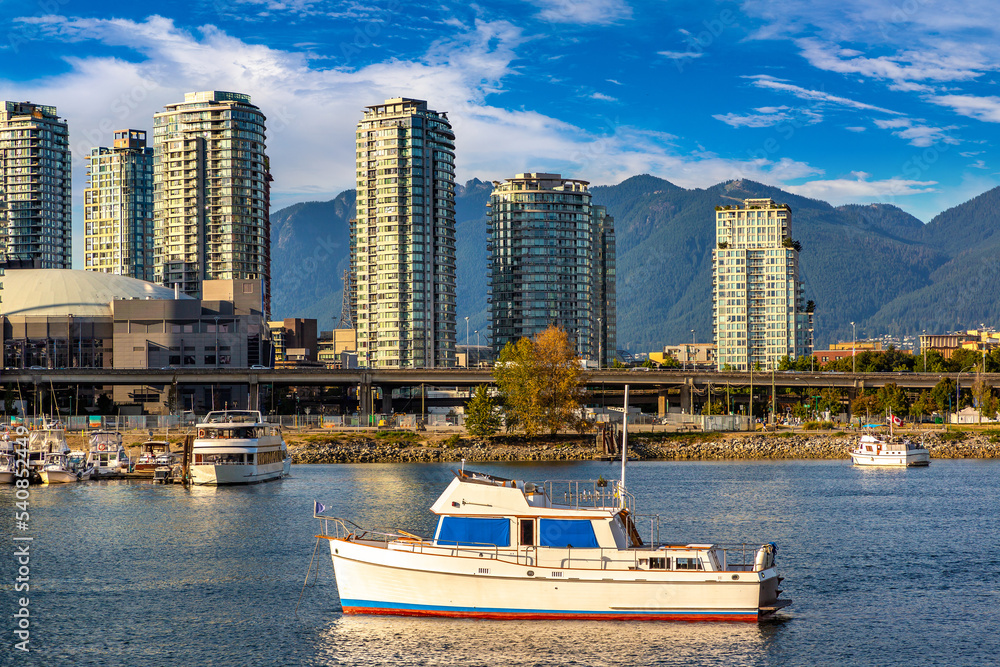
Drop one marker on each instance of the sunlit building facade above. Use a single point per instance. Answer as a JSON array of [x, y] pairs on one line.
[[403, 237], [35, 188], [118, 207], [757, 307], [211, 193], [552, 262]]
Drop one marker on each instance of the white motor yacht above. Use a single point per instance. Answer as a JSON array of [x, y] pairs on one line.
[[872, 450], [56, 470], [107, 454], [512, 549], [238, 447]]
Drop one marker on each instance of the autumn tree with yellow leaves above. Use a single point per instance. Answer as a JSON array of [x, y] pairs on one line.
[[540, 382]]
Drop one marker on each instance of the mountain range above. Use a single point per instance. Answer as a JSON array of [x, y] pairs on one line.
[[872, 264]]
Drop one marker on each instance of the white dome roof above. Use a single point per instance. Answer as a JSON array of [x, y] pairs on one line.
[[55, 292]]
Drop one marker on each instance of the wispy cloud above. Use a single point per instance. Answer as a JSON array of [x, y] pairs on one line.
[[858, 188], [770, 116], [917, 133], [986, 109], [680, 55], [603, 97], [855, 128], [583, 12], [773, 83]]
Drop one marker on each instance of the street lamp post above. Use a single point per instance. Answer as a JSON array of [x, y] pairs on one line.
[[477, 348], [923, 348], [854, 343], [216, 341], [466, 341], [958, 388], [600, 341]]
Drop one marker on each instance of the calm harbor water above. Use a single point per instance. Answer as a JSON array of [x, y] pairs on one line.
[[886, 567]]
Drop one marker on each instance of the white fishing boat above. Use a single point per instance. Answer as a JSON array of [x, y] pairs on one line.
[[873, 450], [56, 470], [511, 549], [238, 447], [107, 454], [49, 438], [8, 468], [79, 462], [155, 453]]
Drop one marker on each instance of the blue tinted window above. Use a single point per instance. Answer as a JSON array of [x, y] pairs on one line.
[[473, 530], [577, 533]]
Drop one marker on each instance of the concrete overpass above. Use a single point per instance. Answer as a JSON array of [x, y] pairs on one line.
[[661, 381]]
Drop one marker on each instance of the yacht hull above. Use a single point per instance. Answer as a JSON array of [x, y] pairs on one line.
[[910, 459], [6, 477], [379, 580], [227, 475], [58, 476]]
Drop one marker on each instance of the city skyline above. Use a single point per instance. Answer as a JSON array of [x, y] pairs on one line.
[[767, 88]]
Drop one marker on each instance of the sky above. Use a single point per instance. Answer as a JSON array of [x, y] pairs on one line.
[[852, 101]]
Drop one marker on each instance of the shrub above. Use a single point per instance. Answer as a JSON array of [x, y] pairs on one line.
[[817, 426]]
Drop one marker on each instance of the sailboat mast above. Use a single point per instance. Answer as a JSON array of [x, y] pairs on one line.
[[621, 495]]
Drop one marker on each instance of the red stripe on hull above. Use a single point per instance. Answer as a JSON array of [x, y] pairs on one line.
[[558, 616]]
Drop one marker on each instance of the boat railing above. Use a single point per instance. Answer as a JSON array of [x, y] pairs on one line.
[[727, 557], [585, 494]]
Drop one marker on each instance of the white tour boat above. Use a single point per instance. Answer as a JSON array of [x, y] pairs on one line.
[[872, 450], [56, 470], [107, 454], [238, 447], [511, 549]]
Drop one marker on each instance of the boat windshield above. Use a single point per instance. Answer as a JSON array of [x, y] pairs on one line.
[[235, 432]]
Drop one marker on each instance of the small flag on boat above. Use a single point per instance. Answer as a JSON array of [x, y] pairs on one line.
[[318, 508], [896, 421]]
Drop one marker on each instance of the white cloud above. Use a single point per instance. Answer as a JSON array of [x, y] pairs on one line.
[[312, 111], [585, 12], [857, 188], [855, 128], [603, 97], [773, 83], [978, 164], [916, 133], [680, 55], [986, 109], [771, 116]]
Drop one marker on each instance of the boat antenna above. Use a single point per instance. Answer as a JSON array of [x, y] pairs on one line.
[[621, 491]]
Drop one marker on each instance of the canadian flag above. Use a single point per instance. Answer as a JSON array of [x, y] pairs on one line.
[[896, 421]]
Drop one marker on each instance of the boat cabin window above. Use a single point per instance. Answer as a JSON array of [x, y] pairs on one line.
[[238, 433], [465, 530], [576, 533], [527, 532], [659, 563], [689, 564], [220, 459]]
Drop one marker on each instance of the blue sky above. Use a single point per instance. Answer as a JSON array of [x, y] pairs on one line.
[[853, 101]]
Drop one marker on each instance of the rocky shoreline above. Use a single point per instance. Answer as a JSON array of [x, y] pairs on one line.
[[709, 447]]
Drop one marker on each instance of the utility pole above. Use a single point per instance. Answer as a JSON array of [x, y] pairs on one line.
[[774, 405]]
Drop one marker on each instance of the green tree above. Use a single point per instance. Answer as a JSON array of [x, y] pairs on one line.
[[923, 405], [943, 394], [481, 417], [935, 362], [986, 401], [965, 360], [540, 382], [892, 398], [865, 404]]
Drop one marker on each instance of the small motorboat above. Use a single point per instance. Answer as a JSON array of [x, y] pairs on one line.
[[56, 470]]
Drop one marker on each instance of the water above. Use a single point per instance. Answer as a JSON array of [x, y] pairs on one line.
[[886, 567]]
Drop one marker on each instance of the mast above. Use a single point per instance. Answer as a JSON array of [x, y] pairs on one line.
[[621, 490]]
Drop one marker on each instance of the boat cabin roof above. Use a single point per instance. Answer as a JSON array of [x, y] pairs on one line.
[[243, 417], [480, 494]]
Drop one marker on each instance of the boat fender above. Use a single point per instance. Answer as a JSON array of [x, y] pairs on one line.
[[201, 433]]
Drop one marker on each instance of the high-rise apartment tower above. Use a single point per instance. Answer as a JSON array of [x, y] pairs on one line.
[[118, 207], [758, 313], [35, 188], [211, 193], [403, 238], [552, 261]]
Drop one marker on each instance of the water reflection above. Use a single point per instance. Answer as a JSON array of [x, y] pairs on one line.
[[374, 640]]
